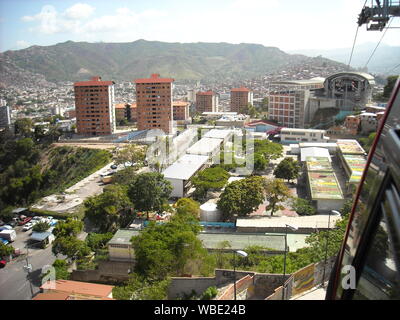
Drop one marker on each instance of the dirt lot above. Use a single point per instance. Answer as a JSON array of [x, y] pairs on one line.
[[106, 146]]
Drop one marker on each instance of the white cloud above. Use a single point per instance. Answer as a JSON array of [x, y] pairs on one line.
[[79, 11], [22, 44]]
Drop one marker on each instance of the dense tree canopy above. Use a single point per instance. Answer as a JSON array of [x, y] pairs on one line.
[[302, 206], [209, 179], [133, 154], [241, 197], [149, 191], [188, 206], [68, 228], [276, 192], [109, 210], [287, 169], [167, 249]]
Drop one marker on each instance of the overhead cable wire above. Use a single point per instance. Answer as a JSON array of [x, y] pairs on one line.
[[373, 52], [355, 39]]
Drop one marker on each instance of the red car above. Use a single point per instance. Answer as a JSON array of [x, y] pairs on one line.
[[25, 220], [3, 263]]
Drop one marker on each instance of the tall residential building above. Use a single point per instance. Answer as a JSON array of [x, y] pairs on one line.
[[94, 105], [154, 103], [289, 102], [5, 116], [240, 98], [207, 101], [181, 110]]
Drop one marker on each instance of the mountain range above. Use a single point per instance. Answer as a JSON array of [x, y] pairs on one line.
[[384, 59], [73, 61]]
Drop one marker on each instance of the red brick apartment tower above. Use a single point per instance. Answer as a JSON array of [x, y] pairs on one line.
[[240, 98], [94, 105], [154, 103], [206, 102], [181, 110]]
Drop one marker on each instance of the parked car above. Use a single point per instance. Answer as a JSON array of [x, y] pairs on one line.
[[27, 226], [6, 227], [9, 235], [3, 263], [114, 166], [13, 223], [24, 221], [4, 241]]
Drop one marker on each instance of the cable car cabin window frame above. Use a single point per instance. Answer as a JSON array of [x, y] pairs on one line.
[[379, 214]]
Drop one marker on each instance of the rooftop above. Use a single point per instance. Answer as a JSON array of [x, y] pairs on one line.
[[180, 103], [241, 89], [356, 164], [284, 130], [311, 153], [185, 167], [206, 93], [218, 134], [123, 236], [154, 78], [318, 164], [205, 146], [324, 185], [314, 221], [79, 287], [348, 146], [95, 81]]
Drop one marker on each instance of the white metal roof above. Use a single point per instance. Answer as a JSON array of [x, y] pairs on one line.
[[205, 146], [185, 167], [218, 134], [314, 152]]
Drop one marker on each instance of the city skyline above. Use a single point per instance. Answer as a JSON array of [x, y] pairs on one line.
[[293, 25]]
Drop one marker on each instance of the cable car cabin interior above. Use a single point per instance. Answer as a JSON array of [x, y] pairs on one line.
[[368, 264]]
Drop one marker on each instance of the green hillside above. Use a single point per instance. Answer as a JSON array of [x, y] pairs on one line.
[[72, 61]]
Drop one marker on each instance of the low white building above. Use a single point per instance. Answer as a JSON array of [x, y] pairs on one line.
[[207, 147], [225, 135], [120, 246], [292, 135], [180, 172]]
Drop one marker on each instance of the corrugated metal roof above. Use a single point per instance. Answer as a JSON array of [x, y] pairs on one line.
[[205, 146], [185, 167]]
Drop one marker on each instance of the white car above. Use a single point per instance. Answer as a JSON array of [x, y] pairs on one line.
[[27, 226]]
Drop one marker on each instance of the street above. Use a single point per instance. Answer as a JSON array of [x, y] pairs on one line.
[[14, 280]]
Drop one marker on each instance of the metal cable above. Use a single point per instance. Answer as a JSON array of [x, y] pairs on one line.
[[373, 52], [355, 38]]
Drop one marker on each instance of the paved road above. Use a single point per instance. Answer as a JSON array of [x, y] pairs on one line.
[[14, 280]]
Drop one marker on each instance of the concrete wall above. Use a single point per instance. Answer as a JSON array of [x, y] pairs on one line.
[[184, 286], [177, 187], [241, 285], [107, 272]]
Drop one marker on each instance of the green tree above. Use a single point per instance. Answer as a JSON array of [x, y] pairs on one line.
[[149, 191], [303, 207], [110, 209], [276, 192], [97, 241], [241, 197], [209, 179], [41, 227], [5, 250], [124, 176], [162, 250], [68, 228], [141, 288], [287, 169], [132, 153], [260, 163], [71, 247], [188, 206], [387, 90], [23, 127], [270, 150]]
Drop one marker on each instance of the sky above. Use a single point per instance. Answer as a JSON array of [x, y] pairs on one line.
[[286, 24]]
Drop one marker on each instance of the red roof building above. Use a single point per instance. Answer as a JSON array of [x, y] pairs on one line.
[[206, 101], [240, 99], [95, 114], [154, 103]]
